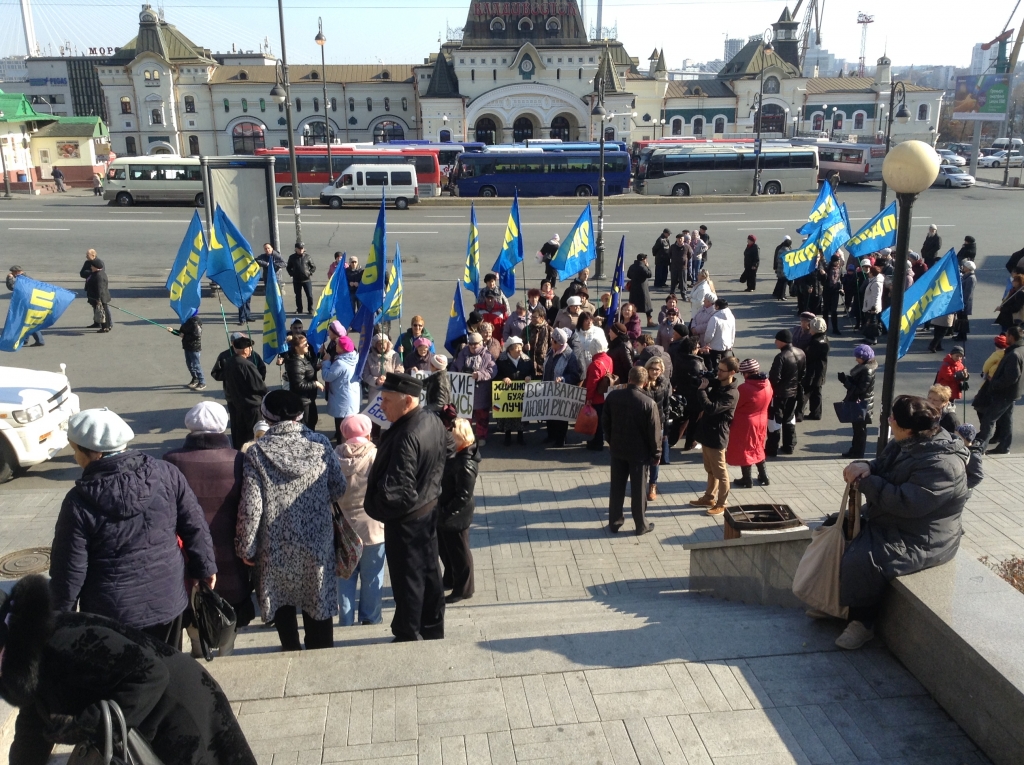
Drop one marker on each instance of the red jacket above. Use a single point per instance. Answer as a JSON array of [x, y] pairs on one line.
[[948, 376], [750, 423], [495, 317], [600, 366]]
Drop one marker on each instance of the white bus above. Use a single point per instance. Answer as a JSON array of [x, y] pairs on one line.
[[154, 178], [701, 169], [853, 162]]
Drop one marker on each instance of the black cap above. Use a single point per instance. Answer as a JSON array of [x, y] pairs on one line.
[[96, 263], [300, 245], [784, 335], [680, 329], [17, 269], [283, 404], [242, 342], [407, 384]]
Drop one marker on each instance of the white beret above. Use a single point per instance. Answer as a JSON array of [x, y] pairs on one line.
[[99, 430], [207, 417]]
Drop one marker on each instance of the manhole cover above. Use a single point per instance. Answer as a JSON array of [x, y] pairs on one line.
[[15, 565]]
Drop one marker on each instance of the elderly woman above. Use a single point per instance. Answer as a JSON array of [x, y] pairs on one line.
[[583, 338], [914, 493], [406, 345], [379, 361], [561, 366], [658, 388], [455, 513], [639, 290], [631, 319], [437, 388], [476, 360], [513, 366], [1012, 306], [420, 358], [748, 433], [871, 306], [537, 340], [597, 383], [701, 289], [671, 305], [860, 388], [700, 320], [285, 527], [342, 388], [491, 343]]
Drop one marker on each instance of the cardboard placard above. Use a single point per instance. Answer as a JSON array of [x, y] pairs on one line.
[[506, 399], [552, 401]]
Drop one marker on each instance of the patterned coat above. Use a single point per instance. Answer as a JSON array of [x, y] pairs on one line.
[[289, 480]]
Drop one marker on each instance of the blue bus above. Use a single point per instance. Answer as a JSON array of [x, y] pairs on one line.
[[540, 173], [447, 153], [579, 146]]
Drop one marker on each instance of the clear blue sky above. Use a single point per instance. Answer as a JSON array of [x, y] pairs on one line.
[[360, 31]]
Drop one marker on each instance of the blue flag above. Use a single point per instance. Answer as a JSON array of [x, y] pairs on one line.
[[832, 237], [577, 249], [618, 280], [457, 326], [185, 280], [937, 293], [804, 259], [230, 262], [511, 251], [877, 233], [326, 307], [364, 321], [825, 210], [471, 276], [343, 310], [393, 298], [34, 307], [275, 322], [371, 289]]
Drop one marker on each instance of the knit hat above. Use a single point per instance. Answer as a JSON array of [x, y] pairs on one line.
[[355, 426], [336, 327], [969, 265], [749, 367], [818, 325], [680, 329], [207, 417], [958, 349], [865, 352], [751, 237], [968, 431], [867, 261], [280, 405], [345, 344], [99, 430], [421, 341], [561, 335], [787, 238], [474, 338], [807, 315], [784, 335], [1001, 341], [513, 341], [438, 361], [556, 239]]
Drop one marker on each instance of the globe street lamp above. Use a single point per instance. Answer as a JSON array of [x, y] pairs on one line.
[[910, 168], [3, 159], [759, 110], [321, 40], [603, 116], [901, 115], [281, 93], [662, 123], [832, 124]]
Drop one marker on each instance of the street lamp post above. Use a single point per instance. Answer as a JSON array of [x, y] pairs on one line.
[[662, 123], [759, 111], [902, 115], [910, 168], [3, 160], [281, 93], [603, 116], [1009, 141], [832, 124], [321, 40]]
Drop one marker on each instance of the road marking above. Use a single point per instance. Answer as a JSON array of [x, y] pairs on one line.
[[759, 228], [446, 216], [135, 212], [37, 229]]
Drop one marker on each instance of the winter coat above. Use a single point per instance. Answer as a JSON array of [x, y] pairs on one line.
[[860, 384], [930, 249], [582, 346], [417, 363], [538, 338], [633, 326], [289, 480], [666, 332], [948, 420], [816, 362], [406, 473], [565, 320], [967, 251], [751, 257], [191, 334], [967, 283], [56, 667], [700, 289], [660, 392], [992, 363], [1008, 380], [482, 364], [214, 473], [679, 257], [515, 326], [718, 403], [437, 391], [749, 429], [1010, 309], [600, 367], [631, 425], [913, 501], [356, 459], [721, 332], [458, 485], [687, 371], [787, 371], [700, 320], [515, 370], [300, 267], [952, 373], [217, 372], [777, 259], [405, 344], [873, 294], [975, 469], [115, 545], [97, 289], [343, 394], [86, 271], [656, 351], [301, 376], [378, 365], [571, 374], [243, 385], [639, 290], [621, 354], [660, 251]]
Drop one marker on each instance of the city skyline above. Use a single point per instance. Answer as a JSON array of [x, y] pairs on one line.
[[415, 26]]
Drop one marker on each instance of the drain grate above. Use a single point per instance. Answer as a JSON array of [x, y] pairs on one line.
[[35, 560]]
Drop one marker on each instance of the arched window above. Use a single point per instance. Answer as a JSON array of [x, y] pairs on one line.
[[405, 104], [246, 137], [369, 104], [245, 105], [148, 77], [486, 131], [387, 104], [772, 85], [193, 145], [720, 125], [609, 133], [446, 136], [316, 104], [156, 77], [858, 121], [818, 122], [314, 75], [522, 129], [772, 119], [922, 112], [298, 104], [560, 128], [156, 117], [227, 105], [263, 104], [525, 24], [318, 132], [129, 146], [497, 25], [190, 105], [553, 26], [243, 75], [126, 105], [677, 126], [351, 104], [698, 126], [334, 104], [388, 131]]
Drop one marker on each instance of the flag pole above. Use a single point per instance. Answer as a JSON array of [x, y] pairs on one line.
[[155, 324], [224, 317]]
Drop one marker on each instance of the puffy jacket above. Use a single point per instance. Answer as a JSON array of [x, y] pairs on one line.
[[631, 424], [873, 294], [600, 367], [749, 429], [300, 267], [356, 459], [343, 394], [1008, 380], [860, 384], [816, 361], [719, 404], [301, 376], [191, 334], [458, 485], [700, 319], [952, 374], [115, 546], [787, 372]]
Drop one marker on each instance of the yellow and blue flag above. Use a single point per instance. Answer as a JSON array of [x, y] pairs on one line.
[[34, 307], [832, 237], [937, 293], [511, 251], [230, 262], [804, 259], [577, 249], [825, 211], [471, 276], [327, 307], [877, 233], [370, 291], [364, 322], [275, 327], [618, 280], [457, 327], [393, 298], [185, 280]]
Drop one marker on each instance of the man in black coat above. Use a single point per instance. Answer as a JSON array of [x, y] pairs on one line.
[[787, 372], [717, 402], [301, 268], [679, 261], [1002, 392], [751, 262], [244, 390], [932, 246], [548, 250], [191, 334], [816, 354], [85, 272], [402, 491], [660, 251], [98, 293], [217, 373], [633, 429]]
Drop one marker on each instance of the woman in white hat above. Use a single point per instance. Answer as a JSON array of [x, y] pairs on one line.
[[513, 366]]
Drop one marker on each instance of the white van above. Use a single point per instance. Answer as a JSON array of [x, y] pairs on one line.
[[362, 184], [1004, 143], [154, 178]]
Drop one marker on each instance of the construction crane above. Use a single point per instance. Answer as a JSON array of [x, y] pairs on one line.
[[811, 23], [863, 19]]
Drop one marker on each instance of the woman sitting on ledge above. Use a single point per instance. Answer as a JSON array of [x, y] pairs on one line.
[[914, 493]]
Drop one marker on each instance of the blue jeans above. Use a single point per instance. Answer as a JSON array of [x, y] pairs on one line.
[[37, 337], [370, 572], [665, 460], [245, 312], [192, 362]]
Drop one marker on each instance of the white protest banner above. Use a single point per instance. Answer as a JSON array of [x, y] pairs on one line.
[[552, 401], [463, 387], [376, 415]]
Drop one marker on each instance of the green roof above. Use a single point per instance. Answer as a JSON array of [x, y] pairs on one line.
[[162, 39], [74, 127], [17, 108]]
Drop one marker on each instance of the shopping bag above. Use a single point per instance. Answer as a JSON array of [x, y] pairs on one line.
[[586, 421], [851, 411], [816, 581], [348, 547]]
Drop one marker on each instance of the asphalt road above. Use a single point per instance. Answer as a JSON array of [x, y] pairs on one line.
[[139, 371]]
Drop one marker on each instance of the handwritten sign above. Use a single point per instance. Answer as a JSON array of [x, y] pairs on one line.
[[506, 399], [552, 401], [463, 388]]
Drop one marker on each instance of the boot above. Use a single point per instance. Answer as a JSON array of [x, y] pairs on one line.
[[652, 492], [771, 446], [762, 474], [519, 438], [744, 482], [508, 438], [788, 439]]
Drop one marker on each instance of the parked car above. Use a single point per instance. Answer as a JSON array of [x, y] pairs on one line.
[[999, 159], [948, 157], [988, 151], [34, 411], [951, 177], [963, 149]]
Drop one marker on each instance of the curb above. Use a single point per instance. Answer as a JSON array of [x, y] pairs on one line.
[[630, 199]]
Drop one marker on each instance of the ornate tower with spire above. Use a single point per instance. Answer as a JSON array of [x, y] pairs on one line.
[[786, 43]]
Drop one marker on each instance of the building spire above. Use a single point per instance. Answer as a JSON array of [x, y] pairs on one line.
[[606, 73]]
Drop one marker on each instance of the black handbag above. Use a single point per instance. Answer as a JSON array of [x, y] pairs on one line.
[[214, 618], [851, 411], [129, 748]]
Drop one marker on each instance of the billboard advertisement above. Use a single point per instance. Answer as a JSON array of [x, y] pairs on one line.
[[981, 97]]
